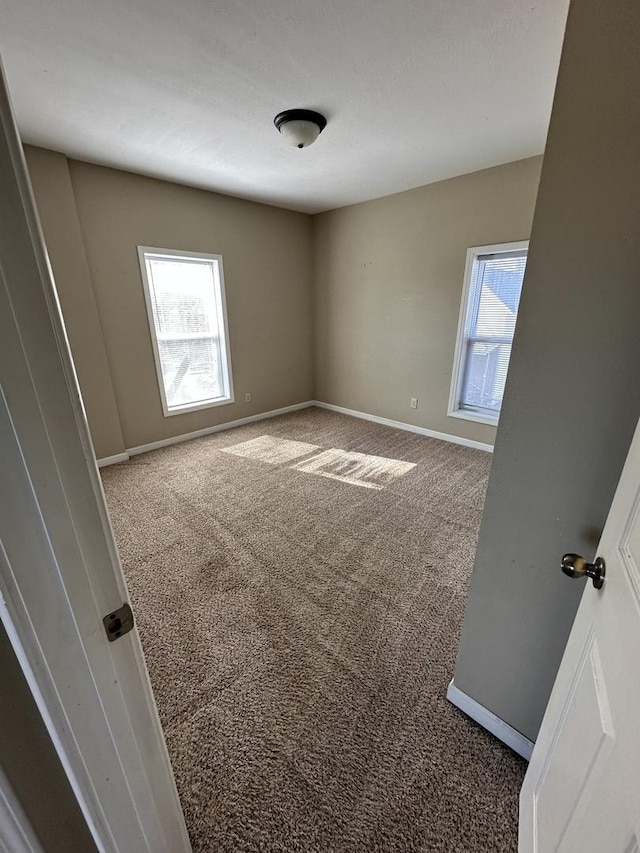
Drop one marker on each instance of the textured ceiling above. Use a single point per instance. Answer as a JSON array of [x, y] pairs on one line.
[[414, 90]]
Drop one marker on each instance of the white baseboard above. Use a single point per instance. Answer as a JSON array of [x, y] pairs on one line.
[[430, 433], [187, 436], [113, 460], [488, 720], [376, 419]]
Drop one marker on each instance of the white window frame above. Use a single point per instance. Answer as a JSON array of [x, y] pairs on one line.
[[454, 410], [221, 304]]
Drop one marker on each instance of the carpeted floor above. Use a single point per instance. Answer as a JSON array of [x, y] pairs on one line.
[[299, 586]]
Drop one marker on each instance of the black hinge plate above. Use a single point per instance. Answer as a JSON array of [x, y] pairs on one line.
[[118, 622]]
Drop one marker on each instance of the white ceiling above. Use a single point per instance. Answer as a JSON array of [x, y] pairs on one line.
[[414, 90]]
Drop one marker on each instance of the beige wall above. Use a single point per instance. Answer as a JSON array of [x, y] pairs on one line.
[[572, 399], [388, 282], [388, 285], [59, 218], [267, 265]]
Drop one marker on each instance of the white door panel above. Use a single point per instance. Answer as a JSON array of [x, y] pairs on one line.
[[583, 743], [581, 793]]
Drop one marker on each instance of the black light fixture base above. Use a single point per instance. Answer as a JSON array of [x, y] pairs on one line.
[[300, 115]]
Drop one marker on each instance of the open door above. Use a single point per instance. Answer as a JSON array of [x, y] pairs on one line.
[[581, 793], [59, 570]]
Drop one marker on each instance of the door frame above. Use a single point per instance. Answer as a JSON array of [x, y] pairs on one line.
[[59, 568]]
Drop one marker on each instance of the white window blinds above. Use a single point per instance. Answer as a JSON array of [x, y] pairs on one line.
[[492, 308], [186, 308]]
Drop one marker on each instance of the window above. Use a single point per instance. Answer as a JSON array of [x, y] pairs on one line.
[[492, 286], [184, 292]]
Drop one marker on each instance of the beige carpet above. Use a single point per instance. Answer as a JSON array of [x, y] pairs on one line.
[[299, 587]]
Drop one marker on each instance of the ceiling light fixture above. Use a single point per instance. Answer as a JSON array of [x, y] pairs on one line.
[[300, 128]]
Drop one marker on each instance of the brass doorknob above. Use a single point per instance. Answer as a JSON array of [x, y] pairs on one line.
[[576, 566]]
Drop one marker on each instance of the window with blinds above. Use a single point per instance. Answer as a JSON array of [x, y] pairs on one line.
[[493, 283], [184, 292]]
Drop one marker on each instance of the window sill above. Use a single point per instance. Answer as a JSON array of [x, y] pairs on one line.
[[475, 416], [210, 404]]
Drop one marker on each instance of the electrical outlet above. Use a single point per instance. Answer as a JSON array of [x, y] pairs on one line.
[[414, 402], [247, 397]]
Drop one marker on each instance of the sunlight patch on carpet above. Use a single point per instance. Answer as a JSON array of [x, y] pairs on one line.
[[358, 469], [269, 448]]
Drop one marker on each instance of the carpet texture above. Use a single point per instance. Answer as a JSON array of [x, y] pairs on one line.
[[299, 586]]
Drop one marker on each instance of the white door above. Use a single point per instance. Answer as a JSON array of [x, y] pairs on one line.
[[581, 793], [59, 569]]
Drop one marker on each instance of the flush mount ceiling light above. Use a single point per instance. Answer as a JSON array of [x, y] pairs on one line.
[[300, 128]]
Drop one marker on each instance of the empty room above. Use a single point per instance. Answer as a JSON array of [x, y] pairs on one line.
[[318, 393]]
